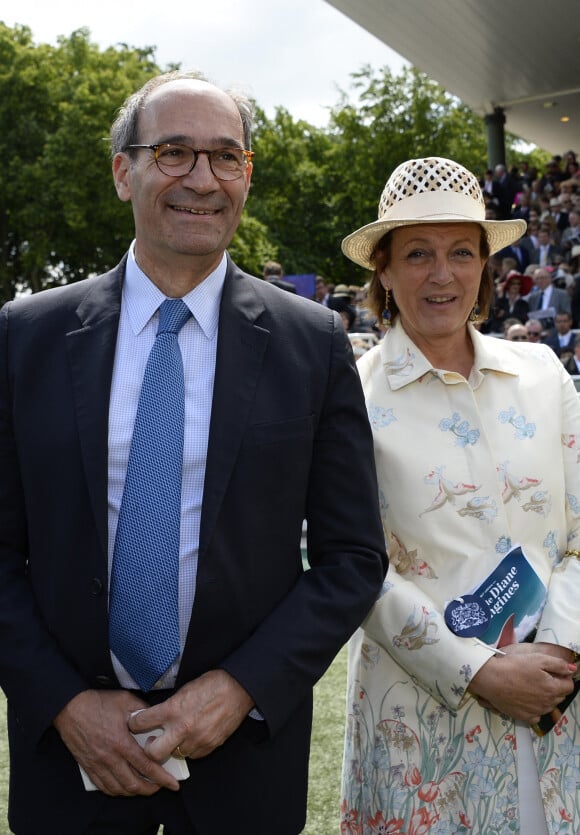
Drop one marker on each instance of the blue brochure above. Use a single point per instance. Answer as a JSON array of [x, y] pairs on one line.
[[504, 608]]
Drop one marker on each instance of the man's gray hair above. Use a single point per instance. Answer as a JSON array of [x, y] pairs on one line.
[[125, 128]]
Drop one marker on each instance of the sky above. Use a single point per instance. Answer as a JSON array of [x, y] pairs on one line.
[[296, 54]]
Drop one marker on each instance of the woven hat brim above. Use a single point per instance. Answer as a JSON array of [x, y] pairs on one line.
[[360, 245]]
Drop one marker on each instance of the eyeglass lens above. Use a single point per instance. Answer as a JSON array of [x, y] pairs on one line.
[[177, 160]]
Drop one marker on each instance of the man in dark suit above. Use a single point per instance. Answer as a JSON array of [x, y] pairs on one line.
[[547, 253], [562, 341], [275, 433], [274, 274], [518, 252], [507, 188]]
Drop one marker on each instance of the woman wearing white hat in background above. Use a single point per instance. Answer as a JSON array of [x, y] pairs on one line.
[[477, 446]]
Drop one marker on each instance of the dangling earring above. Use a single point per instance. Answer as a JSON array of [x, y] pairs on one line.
[[386, 311], [474, 315]]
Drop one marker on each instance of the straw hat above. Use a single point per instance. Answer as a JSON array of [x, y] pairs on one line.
[[342, 290], [431, 190]]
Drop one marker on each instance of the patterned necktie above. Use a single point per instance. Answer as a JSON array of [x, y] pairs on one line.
[[143, 606]]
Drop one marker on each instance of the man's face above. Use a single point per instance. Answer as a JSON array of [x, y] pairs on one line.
[[543, 237], [542, 279], [534, 331], [183, 222], [563, 323], [321, 290]]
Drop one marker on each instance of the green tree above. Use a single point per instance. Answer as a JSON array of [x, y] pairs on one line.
[[291, 189], [393, 119], [60, 217], [252, 246]]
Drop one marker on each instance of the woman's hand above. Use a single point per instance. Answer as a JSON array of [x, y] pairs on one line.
[[525, 683]]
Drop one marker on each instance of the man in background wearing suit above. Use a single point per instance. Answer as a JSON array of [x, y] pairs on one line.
[[562, 341], [274, 274], [545, 295], [547, 253], [546, 301], [266, 400]]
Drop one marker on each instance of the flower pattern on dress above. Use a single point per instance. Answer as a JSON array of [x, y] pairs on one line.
[[407, 561], [401, 365], [379, 417], [380, 826], [349, 824], [447, 490], [413, 771], [572, 441], [480, 507], [415, 760], [419, 630], [514, 485], [523, 429], [550, 543], [503, 545], [573, 503], [370, 655], [464, 436], [539, 502]]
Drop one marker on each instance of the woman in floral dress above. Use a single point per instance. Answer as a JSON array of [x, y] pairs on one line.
[[461, 665]]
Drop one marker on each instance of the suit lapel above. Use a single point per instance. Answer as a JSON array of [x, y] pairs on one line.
[[91, 351], [241, 346]]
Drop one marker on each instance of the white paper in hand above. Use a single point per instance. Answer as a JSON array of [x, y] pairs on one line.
[[176, 767]]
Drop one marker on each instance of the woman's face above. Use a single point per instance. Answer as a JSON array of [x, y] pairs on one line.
[[434, 274]]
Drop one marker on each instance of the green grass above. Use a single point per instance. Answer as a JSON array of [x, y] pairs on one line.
[[326, 750], [325, 758]]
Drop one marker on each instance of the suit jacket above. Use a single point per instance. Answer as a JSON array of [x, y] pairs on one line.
[[553, 251], [282, 285], [560, 301], [289, 439], [554, 343], [520, 253], [501, 312]]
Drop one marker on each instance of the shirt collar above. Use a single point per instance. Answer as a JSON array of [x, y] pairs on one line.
[[404, 363], [142, 298]]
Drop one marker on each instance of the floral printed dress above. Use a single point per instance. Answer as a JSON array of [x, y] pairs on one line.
[[467, 470]]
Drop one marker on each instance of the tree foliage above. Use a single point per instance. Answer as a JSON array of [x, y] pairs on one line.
[[60, 219], [395, 119]]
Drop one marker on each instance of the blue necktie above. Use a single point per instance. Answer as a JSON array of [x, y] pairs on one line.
[[143, 605]]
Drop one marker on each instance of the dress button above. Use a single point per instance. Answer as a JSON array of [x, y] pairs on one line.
[[96, 586]]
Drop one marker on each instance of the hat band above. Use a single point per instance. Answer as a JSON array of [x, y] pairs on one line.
[[436, 205]]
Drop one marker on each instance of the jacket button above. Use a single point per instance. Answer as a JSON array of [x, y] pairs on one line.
[[96, 586], [103, 681]]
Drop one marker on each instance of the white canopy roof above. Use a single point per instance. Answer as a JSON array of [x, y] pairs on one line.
[[522, 56]]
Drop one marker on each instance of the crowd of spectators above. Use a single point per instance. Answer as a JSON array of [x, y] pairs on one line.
[[537, 279]]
